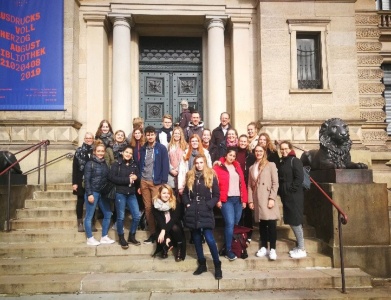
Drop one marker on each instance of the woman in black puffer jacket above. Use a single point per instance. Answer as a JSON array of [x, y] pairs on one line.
[[200, 195], [95, 177], [124, 173]]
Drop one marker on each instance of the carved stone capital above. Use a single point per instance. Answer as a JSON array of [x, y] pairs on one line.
[[215, 21], [121, 20]]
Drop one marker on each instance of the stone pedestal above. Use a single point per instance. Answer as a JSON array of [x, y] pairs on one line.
[[366, 236], [16, 179]]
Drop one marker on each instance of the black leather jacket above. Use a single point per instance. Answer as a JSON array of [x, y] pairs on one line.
[[119, 174]]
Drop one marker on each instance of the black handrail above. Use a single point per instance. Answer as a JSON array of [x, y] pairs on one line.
[[342, 219], [67, 155], [8, 170]]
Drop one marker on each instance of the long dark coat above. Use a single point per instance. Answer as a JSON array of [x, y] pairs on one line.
[[290, 175]]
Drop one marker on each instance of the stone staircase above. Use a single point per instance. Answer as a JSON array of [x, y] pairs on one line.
[[45, 254]]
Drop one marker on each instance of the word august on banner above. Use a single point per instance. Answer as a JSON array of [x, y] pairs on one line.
[[25, 51]]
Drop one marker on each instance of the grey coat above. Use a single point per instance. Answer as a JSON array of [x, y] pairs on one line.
[[261, 189]]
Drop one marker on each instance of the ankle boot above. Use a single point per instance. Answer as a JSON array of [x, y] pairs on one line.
[[80, 227], [122, 241], [181, 254], [132, 239], [201, 267], [218, 272]]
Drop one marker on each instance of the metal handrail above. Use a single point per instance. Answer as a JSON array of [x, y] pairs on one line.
[[8, 170], [342, 219], [68, 155]]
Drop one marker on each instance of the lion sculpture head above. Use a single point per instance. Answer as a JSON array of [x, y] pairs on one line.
[[334, 133]]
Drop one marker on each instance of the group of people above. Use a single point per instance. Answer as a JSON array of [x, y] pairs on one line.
[[180, 175]]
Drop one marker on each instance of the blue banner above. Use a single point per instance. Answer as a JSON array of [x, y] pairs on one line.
[[31, 55]]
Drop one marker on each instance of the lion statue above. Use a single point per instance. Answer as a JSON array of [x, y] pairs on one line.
[[335, 145]]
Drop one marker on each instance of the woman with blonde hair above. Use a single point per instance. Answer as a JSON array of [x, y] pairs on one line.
[[169, 227], [176, 149], [200, 195], [262, 197], [271, 151], [195, 148]]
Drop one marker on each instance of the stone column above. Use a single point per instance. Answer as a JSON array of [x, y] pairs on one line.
[[97, 83], [243, 108], [121, 108], [216, 101]]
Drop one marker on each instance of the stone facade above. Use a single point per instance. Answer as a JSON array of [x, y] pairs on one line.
[[249, 68]]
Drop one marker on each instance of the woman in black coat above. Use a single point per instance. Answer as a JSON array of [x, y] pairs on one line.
[[200, 195], [82, 155], [124, 173], [167, 215], [291, 175]]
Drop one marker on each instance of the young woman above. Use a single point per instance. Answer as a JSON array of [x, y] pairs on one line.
[[82, 155], [169, 227], [95, 176], [106, 135], [231, 140], [233, 195], [208, 145], [136, 142], [176, 149], [271, 151], [200, 195], [246, 159], [252, 135], [262, 197], [290, 174], [195, 147], [124, 174], [119, 144]]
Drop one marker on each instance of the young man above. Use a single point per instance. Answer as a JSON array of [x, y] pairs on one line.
[[196, 126], [218, 134], [164, 133], [154, 167]]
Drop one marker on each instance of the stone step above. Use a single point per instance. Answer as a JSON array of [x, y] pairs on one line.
[[59, 186], [54, 194], [43, 223], [128, 263], [48, 212], [63, 203], [182, 281], [60, 248]]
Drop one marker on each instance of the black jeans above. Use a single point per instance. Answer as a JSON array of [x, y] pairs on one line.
[[268, 232]]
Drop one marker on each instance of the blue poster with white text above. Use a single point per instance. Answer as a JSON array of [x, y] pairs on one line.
[[31, 55]]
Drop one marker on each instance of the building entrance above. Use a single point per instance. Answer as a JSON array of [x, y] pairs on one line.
[[170, 71]]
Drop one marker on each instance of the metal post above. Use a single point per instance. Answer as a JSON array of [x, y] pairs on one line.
[[39, 165], [8, 228], [44, 170], [341, 252]]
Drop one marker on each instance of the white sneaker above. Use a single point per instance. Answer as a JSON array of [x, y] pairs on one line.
[[272, 254], [106, 240], [298, 253], [293, 250], [92, 242], [261, 252]]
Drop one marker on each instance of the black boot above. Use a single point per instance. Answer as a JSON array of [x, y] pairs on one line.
[[201, 267], [218, 272], [132, 239], [122, 241], [181, 254]]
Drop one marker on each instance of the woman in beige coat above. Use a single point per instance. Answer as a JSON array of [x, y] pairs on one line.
[[262, 197]]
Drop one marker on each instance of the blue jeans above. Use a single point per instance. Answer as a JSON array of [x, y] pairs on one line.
[[210, 240], [232, 212], [121, 201], [104, 205]]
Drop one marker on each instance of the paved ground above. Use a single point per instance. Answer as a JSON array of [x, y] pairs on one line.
[[375, 293]]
